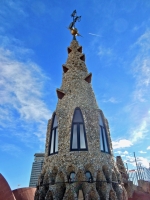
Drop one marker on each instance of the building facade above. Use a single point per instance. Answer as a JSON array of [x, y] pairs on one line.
[[79, 162], [36, 169]]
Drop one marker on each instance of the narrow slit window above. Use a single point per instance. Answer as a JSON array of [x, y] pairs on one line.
[[103, 136], [78, 135], [54, 137]]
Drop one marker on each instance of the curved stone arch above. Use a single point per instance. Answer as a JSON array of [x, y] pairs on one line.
[[80, 176], [71, 168], [107, 173], [114, 177], [46, 178], [91, 169], [118, 175], [60, 177], [49, 195], [101, 185], [41, 178], [92, 195], [112, 195], [115, 186], [61, 185], [80, 184], [46, 183], [70, 194], [52, 174], [118, 190]]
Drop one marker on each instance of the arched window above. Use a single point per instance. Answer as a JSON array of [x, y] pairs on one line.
[[103, 136], [88, 176], [54, 137], [78, 135], [72, 177]]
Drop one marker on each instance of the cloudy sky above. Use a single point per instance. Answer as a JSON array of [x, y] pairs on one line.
[[33, 42]]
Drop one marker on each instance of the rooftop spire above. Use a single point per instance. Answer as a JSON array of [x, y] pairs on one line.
[[73, 30]]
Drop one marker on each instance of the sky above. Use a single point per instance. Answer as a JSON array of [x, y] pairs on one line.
[[33, 47]]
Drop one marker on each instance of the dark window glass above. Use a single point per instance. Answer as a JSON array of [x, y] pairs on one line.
[[54, 137], [55, 122], [103, 136], [78, 135], [77, 116]]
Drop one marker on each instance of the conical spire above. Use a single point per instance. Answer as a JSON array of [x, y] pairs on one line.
[[76, 79]]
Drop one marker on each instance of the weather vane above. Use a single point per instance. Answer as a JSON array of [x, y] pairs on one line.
[[73, 30]]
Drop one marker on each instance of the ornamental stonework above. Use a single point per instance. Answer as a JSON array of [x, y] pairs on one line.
[[91, 173]]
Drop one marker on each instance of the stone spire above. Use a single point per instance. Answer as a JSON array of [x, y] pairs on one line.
[[76, 80], [78, 154]]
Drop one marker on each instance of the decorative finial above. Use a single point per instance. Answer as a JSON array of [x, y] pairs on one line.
[[73, 30]]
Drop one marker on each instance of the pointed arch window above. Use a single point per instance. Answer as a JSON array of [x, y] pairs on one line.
[[54, 137], [78, 135], [103, 136]]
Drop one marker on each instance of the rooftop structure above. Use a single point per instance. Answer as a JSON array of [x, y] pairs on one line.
[[19, 194], [79, 161]]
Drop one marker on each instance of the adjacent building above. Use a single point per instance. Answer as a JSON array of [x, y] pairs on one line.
[[36, 169]]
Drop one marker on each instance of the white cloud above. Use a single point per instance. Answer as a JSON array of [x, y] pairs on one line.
[[121, 144], [94, 34], [21, 85], [102, 51], [122, 152], [142, 152], [22, 94], [140, 131], [148, 148], [111, 100], [140, 160], [141, 68], [138, 108], [125, 152], [10, 149]]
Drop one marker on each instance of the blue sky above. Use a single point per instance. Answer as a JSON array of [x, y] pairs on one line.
[[33, 43]]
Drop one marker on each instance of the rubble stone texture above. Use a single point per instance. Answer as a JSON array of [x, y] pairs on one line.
[[107, 183]]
